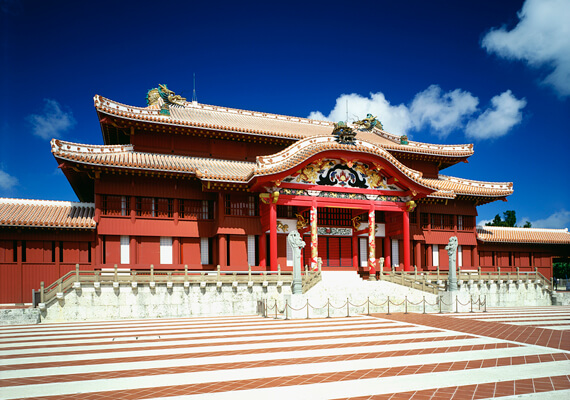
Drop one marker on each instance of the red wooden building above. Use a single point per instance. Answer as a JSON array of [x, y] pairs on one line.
[[182, 183]]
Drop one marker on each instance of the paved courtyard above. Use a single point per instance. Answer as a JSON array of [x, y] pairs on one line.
[[509, 353]]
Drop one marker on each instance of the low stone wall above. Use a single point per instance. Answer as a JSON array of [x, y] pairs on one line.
[[19, 316], [327, 298], [507, 293], [126, 302], [561, 298]]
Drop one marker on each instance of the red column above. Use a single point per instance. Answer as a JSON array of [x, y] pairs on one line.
[[387, 250], [372, 243], [133, 259], [273, 236], [262, 250], [418, 251], [314, 234], [355, 252], [475, 256], [406, 239], [175, 250], [222, 251]]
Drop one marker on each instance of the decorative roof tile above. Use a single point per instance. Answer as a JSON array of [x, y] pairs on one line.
[[194, 114], [498, 234], [46, 214]]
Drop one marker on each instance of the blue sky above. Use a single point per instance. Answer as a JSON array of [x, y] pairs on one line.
[[492, 73]]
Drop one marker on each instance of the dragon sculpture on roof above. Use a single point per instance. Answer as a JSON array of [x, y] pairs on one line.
[[369, 123], [167, 95]]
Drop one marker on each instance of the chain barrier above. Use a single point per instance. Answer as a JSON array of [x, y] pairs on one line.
[[270, 309]]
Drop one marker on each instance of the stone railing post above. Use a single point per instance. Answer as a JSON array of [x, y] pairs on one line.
[[76, 272], [42, 292]]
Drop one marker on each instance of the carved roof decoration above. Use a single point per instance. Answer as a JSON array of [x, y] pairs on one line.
[[498, 234], [46, 214], [197, 115], [208, 169]]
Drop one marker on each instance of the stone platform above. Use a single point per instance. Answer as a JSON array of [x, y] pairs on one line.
[[449, 356]]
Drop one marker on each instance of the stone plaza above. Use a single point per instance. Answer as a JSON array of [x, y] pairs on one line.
[[507, 353]]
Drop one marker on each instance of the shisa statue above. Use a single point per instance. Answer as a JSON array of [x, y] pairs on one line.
[[297, 243], [452, 253]]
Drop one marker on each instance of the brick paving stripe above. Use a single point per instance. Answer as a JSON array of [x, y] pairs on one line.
[[398, 356]]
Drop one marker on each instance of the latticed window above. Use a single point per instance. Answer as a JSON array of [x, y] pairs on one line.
[[414, 217], [115, 205], [334, 217], [286, 211], [164, 208], [241, 205], [196, 209], [465, 222], [424, 220], [145, 207], [442, 221]]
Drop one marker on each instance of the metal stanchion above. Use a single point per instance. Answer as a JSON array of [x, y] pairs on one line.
[[328, 308], [456, 304], [471, 300], [275, 308], [439, 301], [307, 308], [286, 312], [424, 304], [485, 299], [388, 313], [368, 305], [405, 304], [347, 308]]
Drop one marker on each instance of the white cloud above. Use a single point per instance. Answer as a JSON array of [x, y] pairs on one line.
[[541, 38], [443, 112], [395, 119], [52, 122], [506, 112], [7, 181], [558, 220]]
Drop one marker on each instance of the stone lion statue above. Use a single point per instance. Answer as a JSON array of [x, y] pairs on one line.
[[452, 251], [296, 242]]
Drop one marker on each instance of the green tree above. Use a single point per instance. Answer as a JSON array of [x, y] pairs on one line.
[[509, 219]]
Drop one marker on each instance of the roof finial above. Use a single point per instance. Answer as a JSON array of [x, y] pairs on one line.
[[194, 98]]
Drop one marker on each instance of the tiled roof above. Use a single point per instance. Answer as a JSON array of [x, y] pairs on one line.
[[498, 234], [46, 214], [124, 156], [460, 186], [198, 115]]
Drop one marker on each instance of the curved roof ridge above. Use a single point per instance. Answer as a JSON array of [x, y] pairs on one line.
[[90, 148], [306, 148], [8, 200], [99, 100], [465, 181], [520, 228]]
